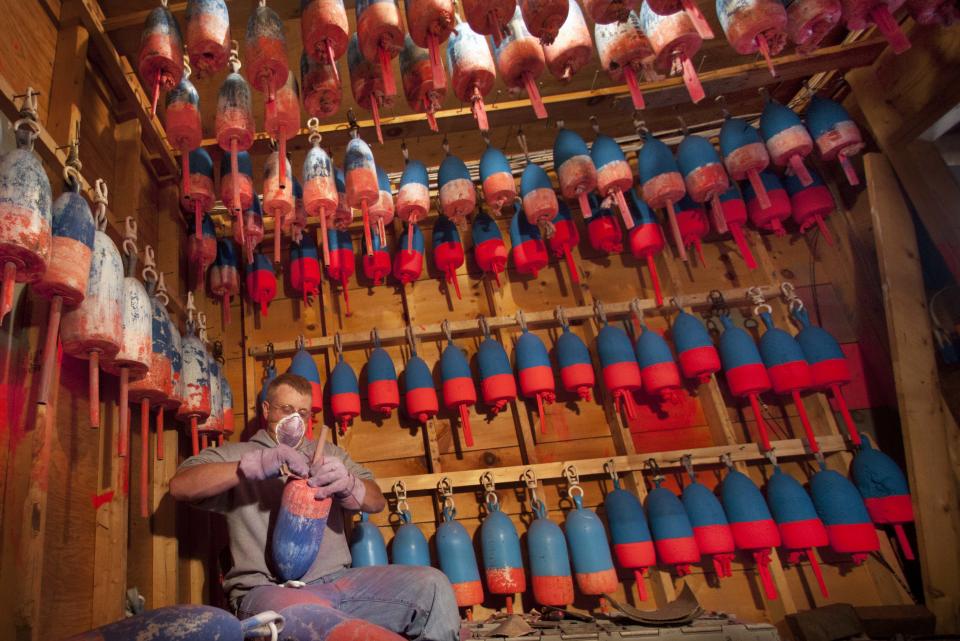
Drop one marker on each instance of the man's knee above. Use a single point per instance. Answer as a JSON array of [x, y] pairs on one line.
[[310, 622]]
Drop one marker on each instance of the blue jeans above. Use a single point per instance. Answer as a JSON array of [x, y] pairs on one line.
[[416, 602]]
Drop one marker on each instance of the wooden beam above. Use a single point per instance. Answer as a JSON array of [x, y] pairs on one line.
[[929, 430], [66, 89]]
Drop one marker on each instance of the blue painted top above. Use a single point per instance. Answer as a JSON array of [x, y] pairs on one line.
[[787, 499], [244, 164], [818, 344], [689, 333], [343, 380], [492, 359], [702, 506], [737, 347], [534, 178], [485, 229], [649, 19], [161, 328], [452, 168], [414, 172], [876, 474], [794, 186], [304, 365], [521, 230], [568, 144], [269, 373], [358, 156], [383, 181], [605, 150], [72, 218], [160, 20], [207, 228], [531, 352], [695, 152], [226, 253], [587, 540], [571, 350], [824, 114], [455, 553], [417, 239], [444, 231], [453, 364], [261, 264], [317, 165], [770, 182], [201, 163], [516, 30], [340, 180], [668, 520], [628, 523], [380, 366], [837, 500], [736, 133], [776, 118], [742, 500], [216, 9], [417, 374], [655, 158], [499, 541], [184, 92], [234, 94], [338, 239], [366, 545], [24, 183], [613, 346], [264, 23], [409, 546], [651, 349], [306, 249], [493, 162], [641, 212], [777, 347]]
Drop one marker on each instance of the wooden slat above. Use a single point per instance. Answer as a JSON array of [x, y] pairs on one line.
[[69, 70], [929, 430]]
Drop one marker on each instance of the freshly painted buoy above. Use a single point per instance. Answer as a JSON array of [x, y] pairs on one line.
[[811, 205], [497, 385], [184, 623], [603, 231], [576, 368], [885, 492], [299, 529], [341, 265], [303, 365], [743, 368], [658, 370], [383, 392], [565, 237], [753, 527], [535, 372], [344, 394], [305, 268], [457, 560], [842, 509], [646, 239], [801, 530], [549, 561], [502, 561], [367, 548], [735, 213], [419, 395], [575, 169], [768, 218], [536, 191], [261, 282], [671, 530], [661, 182], [409, 546], [528, 250], [697, 354], [496, 178], [459, 392], [693, 225], [448, 254], [489, 250], [408, 261], [710, 527], [619, 367], [632, 543]]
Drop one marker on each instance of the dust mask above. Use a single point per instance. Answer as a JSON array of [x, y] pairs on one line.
[[290, 430]]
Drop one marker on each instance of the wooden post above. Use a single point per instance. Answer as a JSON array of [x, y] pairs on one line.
[[929, 430], [69, 73]]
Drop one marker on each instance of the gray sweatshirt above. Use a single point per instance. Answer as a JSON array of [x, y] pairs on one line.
[[251, 510]]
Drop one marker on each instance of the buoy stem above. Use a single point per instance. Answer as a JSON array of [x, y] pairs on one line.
[[675, 231], [800, 170], [764, 48], [845, 413], [346, 294], [436, 64], [698, 246], [452, 278], [817, 572], [375, 109], [160, 434], [323, 238], [50, 349], [496, 278], [641, 584], [904, 542], [156, 94], [624, 208], [530, 84], [431, 117], [465, 420], [572, 266], [543, 414], [761, 425], [235, 171], [691, 80], [758, 188], [479, 110], [144, 455], [333, 61], [282, 158], [824, 230], [204, 442], [225, 308], [93, 373], [386, 71], [699, 21], [805, 421], [185, 171], [635, 94], [584, 200], [367, 236], [654, 279], [194, 435], [741, 240], [848, 170], [509, 604], [719, 220], [762, 558]]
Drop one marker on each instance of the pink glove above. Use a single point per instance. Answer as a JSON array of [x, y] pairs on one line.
[[265, 463], [332, 479]]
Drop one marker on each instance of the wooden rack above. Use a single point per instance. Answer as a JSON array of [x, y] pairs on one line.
[[711, 456], [460, 327]]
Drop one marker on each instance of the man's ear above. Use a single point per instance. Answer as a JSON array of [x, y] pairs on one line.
[[263, 408]]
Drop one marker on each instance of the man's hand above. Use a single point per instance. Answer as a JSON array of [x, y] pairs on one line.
[[332, 478], [262, 464]]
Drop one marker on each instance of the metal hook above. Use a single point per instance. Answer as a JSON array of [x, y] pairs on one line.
[[191, 308], [522, 140], [687, 462], [727, 460], [130, 236], [445, 145], [161, 291], [683, 125], [562, 317], [599, 312], [722, 101], [718, 305], [313, 126], [521, 321], [771, 456], [486, 480], [594, 124], [445, 328], [611, 469], [655, 468], [529, 478], [234, 60], [411, 339], [484, 326], [639, 125], [271, 355], [637, 311], [759, 302], [375, 336], [338, 346]]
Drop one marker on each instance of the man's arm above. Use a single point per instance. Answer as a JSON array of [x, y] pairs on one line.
[[373, 499], [204, 480]]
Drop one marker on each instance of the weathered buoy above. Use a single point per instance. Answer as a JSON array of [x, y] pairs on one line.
[[496, 178], [413, 195], [455, 553], [186, 623], [547, 550], [536, 191], [614, 176], [835, 133], [160, 59], [661, 182], [341, 265], [278, 201], [744, 154], [266, 51], [500, 545], [319, 186], [704, 174], [671, 529], [786, 138], [360, 172], [589, 549], [457, 195], [235, 129], [575, 169], [195, 383], [208, 36]]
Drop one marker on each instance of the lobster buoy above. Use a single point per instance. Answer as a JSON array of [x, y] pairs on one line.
[[751, 523], [565, 238], [195, 383], [299, 529], [183, 125], [704, 174], [408, 262], [786, 138], [884, 490], [252, 229], [744, 154], [226, 391], [632, 543], [383, 212], [383, 393], [376, 264], [603, 231], [810, 205], [575, 169], [527, 247], [540, 203], [457, 195], [303, 365], [835, 133], [175, 400], [202, 252], [658, 370], [344, 394], [621, 372], [534, 371], [225, 276], [409, 546], [497, 385], [589, 550], [266, 51], [459, 392], [261, 282], [341, 265], [693, 224], [661, 182], [160, 59], [735, 213], [576, 368], [305, 267], [646, 240], [788, 369], [697, 354], [801, 530], [671, 529], [744, 370], [500, 545], [413, 196], [419, 395], [614, 176], [447, 251], [235, 128], [489, 250], [201, 195], [768, 218], [243, 179], [185, 623], [208, 35], [213, 426], [363, 187], [367, 548], [549, 561], [710, 527], [843, 511], [457, 560], [496, 178]]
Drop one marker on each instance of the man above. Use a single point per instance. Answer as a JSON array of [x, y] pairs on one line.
[[243, 482]]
